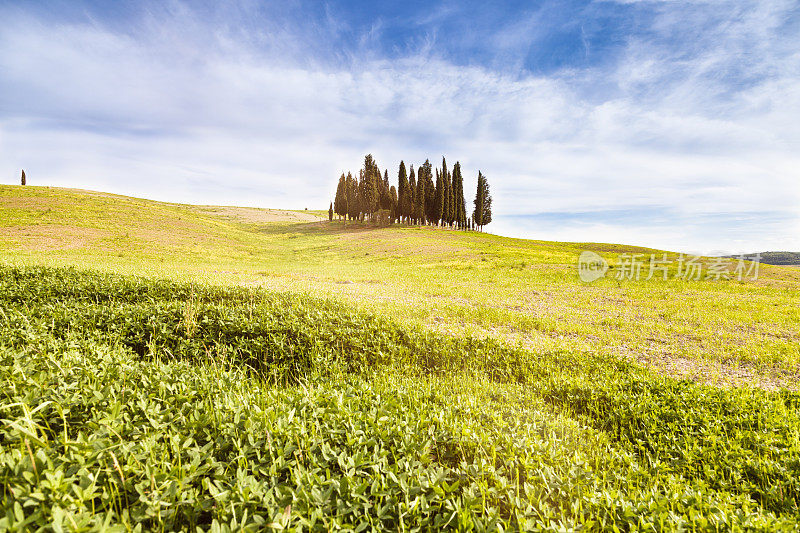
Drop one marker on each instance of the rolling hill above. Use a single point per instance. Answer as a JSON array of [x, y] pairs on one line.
[[455, 282], [172, 366], [778, 258]]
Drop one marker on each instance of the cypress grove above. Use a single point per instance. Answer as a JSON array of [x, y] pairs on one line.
[[416, 199]]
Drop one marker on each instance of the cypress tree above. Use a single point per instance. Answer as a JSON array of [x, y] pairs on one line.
[[448, 194], [386, 200], [447, 210], [483, 203], [478, 202], [22, 178], [370, 175], [353, 209], [438, 209], [340, 200], [375, 187], [458, 196], [361, 185], [402, 191], [487, 203], [412, 195], [330, 212], [430, 192], [444, 200], [420, 197], [456, 210], [395, 204]]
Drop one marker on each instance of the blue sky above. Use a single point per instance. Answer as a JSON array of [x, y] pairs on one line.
[[654, 122]]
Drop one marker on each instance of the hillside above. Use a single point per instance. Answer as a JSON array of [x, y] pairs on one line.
[[455, 282], [176, 367], [778, 258]]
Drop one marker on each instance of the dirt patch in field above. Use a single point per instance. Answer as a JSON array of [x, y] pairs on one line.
[[52, 237], [729, 374], [27, 202], [384, 242], [659, 360], [255, 215]]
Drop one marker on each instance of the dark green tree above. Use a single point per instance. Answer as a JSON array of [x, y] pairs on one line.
[[402, 191], [386, 200], [460, 211], [22, 178], [353, 207], [438, 203], [395, 209], [419, 206], [340, 200], [412, 196], [447, 210], [368, 184], [449, 205], [482, 215], [426, 173], [361, 185], [446, 194], [330, 212]]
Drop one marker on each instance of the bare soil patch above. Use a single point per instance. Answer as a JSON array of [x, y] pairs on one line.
[[27, 202], [729, 374], [256, 215], [52, 236]]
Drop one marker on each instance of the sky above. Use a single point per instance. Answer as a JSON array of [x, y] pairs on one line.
[[670, 124]]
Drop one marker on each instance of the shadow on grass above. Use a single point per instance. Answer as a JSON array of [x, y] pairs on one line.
[[325, 227]]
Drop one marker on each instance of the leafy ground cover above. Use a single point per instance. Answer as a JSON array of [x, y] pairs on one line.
[[138, 404]]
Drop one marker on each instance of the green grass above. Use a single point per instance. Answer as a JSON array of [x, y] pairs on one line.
[[169, 406], [454, 282], [166, 367]]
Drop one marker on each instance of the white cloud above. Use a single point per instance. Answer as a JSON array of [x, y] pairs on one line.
[[180, 110]]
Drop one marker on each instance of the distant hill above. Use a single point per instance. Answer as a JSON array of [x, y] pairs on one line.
[[776, 258]]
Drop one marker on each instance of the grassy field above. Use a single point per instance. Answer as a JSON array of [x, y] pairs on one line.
[[523, 291], [171, 367]]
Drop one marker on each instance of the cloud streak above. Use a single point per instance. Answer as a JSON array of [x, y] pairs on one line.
[[694, 118]]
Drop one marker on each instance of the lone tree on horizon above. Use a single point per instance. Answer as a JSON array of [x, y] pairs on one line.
[[483, 203], [22, 178]]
